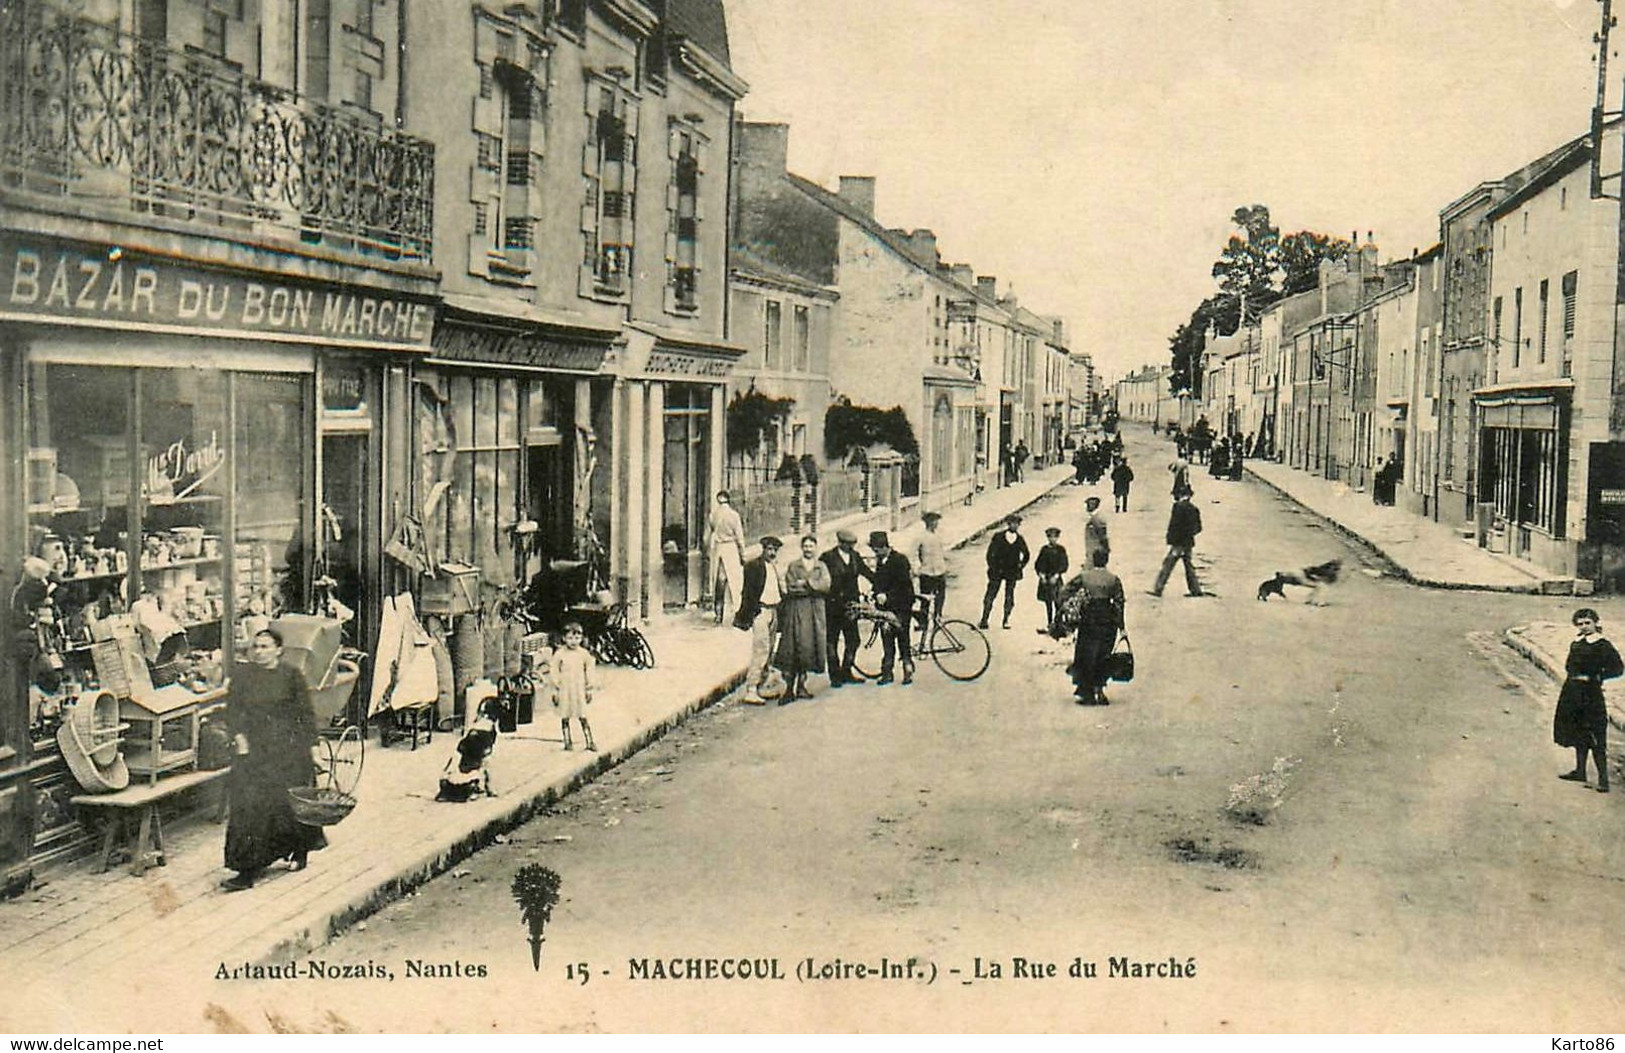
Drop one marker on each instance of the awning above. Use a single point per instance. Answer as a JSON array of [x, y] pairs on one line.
[[1534, 404], [466, 337]]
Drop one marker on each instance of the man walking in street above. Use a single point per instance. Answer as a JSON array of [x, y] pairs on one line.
[[840, 628], [931, 563], [726, 544], [1184, 523], [1122, 477], [893, 585], [759, 614], [1007, 556], [1020, 455], [1094, 531]]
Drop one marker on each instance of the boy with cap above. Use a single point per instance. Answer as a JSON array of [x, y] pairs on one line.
[[931, 563], [840, 630], [893, 585], [1094, 531], [759, 614], [1007, 557], [1051, 566]]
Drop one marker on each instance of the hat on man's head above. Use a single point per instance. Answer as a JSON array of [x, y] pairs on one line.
[[1091, 501], [771, 542], [1052, 531], [1013, 518], [931, 517], [878, 539], [847, 536]]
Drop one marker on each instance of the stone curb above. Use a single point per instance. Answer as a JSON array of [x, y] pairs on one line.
[[314, 928], [1518, 639], [1393, 566]]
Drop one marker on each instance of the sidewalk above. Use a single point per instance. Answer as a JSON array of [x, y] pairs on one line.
[[117, 925], [1546, 644], [1425, 552]]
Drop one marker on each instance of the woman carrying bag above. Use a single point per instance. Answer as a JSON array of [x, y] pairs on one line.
[[1094, 600]]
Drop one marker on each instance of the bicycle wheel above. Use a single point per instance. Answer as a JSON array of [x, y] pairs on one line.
[[871, 650], [960, 649], [639, 647], [345, 757]]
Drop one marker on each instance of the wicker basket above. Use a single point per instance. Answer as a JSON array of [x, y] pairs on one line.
[[315, 806]]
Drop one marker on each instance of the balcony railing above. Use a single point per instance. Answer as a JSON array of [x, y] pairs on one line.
[[93, 115]]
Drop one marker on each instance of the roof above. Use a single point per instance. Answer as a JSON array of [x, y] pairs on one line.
[[1554, 166], [746, 263], [835, 203], [702, 21]]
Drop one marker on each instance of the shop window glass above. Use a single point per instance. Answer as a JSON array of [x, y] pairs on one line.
[[271, 549]]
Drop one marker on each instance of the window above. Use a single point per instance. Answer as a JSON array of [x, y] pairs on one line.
[[489, 149], [1517, 327], [1571, 282], [214, 32], [683, 220], [609, 162], [772, 344], [481, 217], [803, 338], [318, 48], [505, 170], [516, 233], [1496, 338], [572, 15], [1545, 291], [487, 81]]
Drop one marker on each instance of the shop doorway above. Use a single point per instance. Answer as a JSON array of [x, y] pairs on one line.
[[547, 482], [347, 521], [685, 492]]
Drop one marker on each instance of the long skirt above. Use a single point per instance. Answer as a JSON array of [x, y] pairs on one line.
[[801, 634], [1089, 651], [1582, 716], [262, 828]]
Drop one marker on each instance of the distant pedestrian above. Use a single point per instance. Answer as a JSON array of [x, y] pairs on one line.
[[1051, 567], [1154, 426], [1184, 523], [931, 563], [1122, 478], [573, 674], [893, 585], [725, 543], [1094, 531], [1100, 619], [1007, 557], [1080, 465], [1181, 471], [759, 615], [1019, 455], [1582, 714], [803, 638]]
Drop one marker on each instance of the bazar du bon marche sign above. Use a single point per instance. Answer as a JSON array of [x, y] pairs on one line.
[[43, 280]]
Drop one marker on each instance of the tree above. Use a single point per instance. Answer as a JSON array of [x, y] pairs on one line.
[[848, 427], [1301, 254], [1248, 267], [1220, 312]]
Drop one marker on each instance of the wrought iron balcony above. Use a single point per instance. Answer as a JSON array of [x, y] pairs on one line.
[[99, 117]]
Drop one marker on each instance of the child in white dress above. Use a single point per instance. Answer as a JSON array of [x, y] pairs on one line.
[[573, 672]]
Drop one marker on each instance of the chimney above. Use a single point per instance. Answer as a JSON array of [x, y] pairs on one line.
[[765, 146], [987, 285], [964, 274], [859, 192], [923, 245], [1058, 327]]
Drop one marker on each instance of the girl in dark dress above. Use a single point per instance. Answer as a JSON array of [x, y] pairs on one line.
[[1582, 715], [275, 728]]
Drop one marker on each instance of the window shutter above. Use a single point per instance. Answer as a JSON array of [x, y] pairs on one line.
[[589, 217], [671, 246], [589, 157]]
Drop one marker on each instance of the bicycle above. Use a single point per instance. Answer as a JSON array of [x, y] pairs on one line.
[[958, 647], [610, 640]]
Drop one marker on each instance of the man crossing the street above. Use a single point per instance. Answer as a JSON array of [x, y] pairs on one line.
[[1184, 523], [1007, 557]]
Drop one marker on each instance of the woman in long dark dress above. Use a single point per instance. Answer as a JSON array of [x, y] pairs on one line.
[[802, 636], [1101, 619], [275, 728], [1582, 713]]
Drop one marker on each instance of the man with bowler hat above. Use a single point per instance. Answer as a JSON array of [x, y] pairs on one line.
[[1007, 556], [759, 614], [840, 628], [893, 585]]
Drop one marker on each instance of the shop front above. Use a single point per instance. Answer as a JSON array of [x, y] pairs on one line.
[[195, 448], [669, 422], [1523, 472]]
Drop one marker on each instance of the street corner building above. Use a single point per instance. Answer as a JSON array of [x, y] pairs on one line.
[[304, 302]]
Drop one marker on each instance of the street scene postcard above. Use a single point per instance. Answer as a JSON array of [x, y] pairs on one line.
[[827, 516]]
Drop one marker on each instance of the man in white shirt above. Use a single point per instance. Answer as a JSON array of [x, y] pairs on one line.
[[931, 563], [726, 544]]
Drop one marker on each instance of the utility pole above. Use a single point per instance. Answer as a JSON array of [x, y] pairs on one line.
[[1599, 114]]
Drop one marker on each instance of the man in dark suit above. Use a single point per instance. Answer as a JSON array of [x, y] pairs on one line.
[[893, 585], [1007, 555], [840, 629], [758, 614], [1184, 523]]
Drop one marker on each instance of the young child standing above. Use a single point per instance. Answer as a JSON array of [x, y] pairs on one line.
[[1582, 714], [1051, 566], [574, 675]]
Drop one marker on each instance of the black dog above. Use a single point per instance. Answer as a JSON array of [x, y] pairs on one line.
[[1316, 577]]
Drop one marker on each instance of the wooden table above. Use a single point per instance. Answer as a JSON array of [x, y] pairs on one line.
[[142, 801]]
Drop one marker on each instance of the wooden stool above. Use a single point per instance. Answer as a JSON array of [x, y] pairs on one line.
[[139, 805]]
